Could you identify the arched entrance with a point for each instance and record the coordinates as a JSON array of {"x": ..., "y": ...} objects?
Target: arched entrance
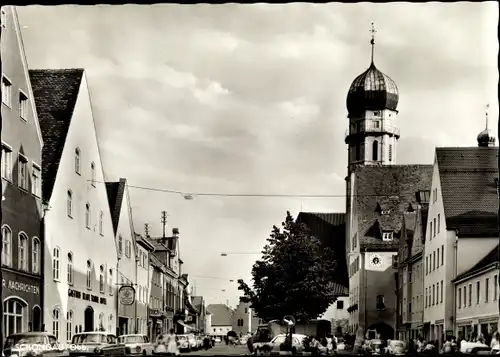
[
  {"x": 382, "y": 330},
  {"x": 88, "y": 319},
  {"x": 37, "y": 318}
]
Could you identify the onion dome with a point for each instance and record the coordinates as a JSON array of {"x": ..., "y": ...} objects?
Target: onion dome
[
  {"x": 486, "y": 138},
  {"x": 372, "y": 90}
]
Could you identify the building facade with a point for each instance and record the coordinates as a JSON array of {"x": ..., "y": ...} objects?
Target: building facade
[
  {"x": 199, "y": 305},
  {"x": 476, "y": 292},
  {"x": 22, "y": 209},
  {"x": 221, "y": 317},
  {"x": 80, "y": 253},
  {"x": 244, "y": 320},
  {"x": 156, "y": 313},
  {"x": 462, "y": 227},
  {"x": 339, "y": 316},
  {"x": 410, "y": 271},
  {"x": 144, "y": 249},
  {"x": 123, "y": 228},
  {"x": 378, "y": 192}
]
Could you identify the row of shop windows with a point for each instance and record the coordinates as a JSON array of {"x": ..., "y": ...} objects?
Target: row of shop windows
[
  {"x": 18, "y": 317},
  {"x": 24, "y": 247}
]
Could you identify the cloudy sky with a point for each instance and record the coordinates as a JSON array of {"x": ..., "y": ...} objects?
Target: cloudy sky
[{"x": 251, "y": 99}]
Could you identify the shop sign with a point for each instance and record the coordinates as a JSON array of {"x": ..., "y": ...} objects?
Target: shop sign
[
  {"x": 84, "y": 296},
  {"x": 20, "y": 287},
  {"x": 126, "y": 295}
]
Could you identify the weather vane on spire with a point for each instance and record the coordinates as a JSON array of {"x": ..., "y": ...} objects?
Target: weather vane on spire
[
  {"x": 373, "y": 32},
  {"x": 487, "y": 108}
]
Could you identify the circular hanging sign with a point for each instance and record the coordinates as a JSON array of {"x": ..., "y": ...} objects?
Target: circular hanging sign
[
  {"x": 289, "y": 320},
  {"x": 126, "y": 295}
]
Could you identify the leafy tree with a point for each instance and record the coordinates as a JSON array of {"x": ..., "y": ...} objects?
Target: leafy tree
[{"x": 293, "y": 277}]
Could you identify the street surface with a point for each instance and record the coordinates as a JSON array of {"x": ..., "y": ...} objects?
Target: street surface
[{"x": 222, "y": 349}]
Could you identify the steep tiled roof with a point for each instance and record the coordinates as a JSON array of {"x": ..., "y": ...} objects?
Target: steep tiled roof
[
  {"x": 55, "y": 92},
  {"x": 468, "y": 188},
  {"x": 116, "y": 191},
  {"x": 330, "y": 229},
  {"x": 393, "y": 189},
  {"x": 491, "y": 258},
  {"x": 156, "y": 262},
  {"x": 221, "y": 314}
]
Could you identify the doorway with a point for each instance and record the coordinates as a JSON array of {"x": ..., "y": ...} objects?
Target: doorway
[
  {"x": 88, "y": 319},
  {"x": 123, "y": 325},
  {"x": 37, "y": 318}
]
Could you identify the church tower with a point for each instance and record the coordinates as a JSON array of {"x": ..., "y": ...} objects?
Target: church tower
[
  {"x": 373, "y": 134},
  {"x": 486, "y": 137}
]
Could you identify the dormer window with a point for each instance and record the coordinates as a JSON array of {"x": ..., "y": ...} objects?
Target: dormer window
[
  {"x": 387, "y": 236},
  {"x": 423, "y": 196}
]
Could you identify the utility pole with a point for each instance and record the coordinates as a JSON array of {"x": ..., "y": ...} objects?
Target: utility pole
[
  {"x": 164, "y": 221},
  {"x": 146, "y": 229}
]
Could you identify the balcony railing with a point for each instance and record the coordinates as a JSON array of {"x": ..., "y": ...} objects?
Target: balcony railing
[{"x": 369, "y": 127}]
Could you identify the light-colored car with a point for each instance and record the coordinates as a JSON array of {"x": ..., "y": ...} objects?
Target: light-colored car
[
  {"x": 32, "y": 344},
  {"x": 297, "y": 345},
  {"x": 136, "y": 344},
  {"x": 96, "y": 343},
  {"x": 183, "y": 343},
  {"x": 340, "y": 343},
  {"x": 243, "y": 340},
  {"x": 217, "y": 340},
  {"x": 473, "y": 347},
  {"x": 199, "y": 341}
]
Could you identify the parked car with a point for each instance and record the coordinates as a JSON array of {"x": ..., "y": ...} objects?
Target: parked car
[
  {"x": 199, "y": 342},
  {"x": 32, "y": 344},
  {"x": 183, "y": 343},
  {"x": 340, "y": 343},
  {"x": 136, "y": 344},
  {"x": 96, "y": 343},
  {"x": 397, "y": 348},
  {"x": 297, "y": 343},
  {"x": 193, "y": 344},
  {"x": 474, "y": 348}
]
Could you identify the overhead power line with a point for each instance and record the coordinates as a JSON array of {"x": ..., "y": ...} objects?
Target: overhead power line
[{"x": 190, "y": 195}]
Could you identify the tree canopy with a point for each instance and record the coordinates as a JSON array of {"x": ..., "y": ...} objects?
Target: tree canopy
[{"x": 293, "y": 277}]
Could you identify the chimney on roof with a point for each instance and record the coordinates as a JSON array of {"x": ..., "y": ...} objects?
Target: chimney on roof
[{"x": 175, "y": 232}]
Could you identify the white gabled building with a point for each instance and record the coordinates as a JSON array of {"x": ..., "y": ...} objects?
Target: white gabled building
[
  {"x": 80, "y": 256},
  {"x": 144, "y": 249},
  {"x": 121, "y": 216}
]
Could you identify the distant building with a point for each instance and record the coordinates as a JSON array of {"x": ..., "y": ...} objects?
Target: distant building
[
  {"x": 144, "y": 249},
  {"x": 244, "y": 319},
  {"x": 338, "y": 315},
  {"x": 221, "y": 317},
  {"x": 199, "y": 305},
  {"x": 123, "y": 228},
  {"x": 22, "y": 209},
  {"x": 476, "y": 293},
  {"x": 410, "y": 285}
]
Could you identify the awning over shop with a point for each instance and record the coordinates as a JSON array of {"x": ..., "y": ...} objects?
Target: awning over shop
[{"x": 182, "y": 323}]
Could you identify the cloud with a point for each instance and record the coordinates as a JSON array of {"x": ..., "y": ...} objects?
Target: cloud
[{"x": 251, "y": 99}]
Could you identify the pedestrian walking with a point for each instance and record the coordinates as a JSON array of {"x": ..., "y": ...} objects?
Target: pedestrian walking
[
  {"x": 250, "y": 344},
  {"x": 171, "y": 342},
  {"x": 160, "y": 345}
]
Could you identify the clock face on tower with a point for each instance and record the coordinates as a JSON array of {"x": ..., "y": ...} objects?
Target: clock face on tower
[{"x": 375, "y": 260}]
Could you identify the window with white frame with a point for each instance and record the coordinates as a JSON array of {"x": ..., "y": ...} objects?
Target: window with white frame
[
  {"x": 110, "y": 285},
  {"x": 87, "y": 215},
  {"x": 56, "y": 320},
  {"x": 92, "y": 174},
  {"x": 69, "y": 325},
  {"x": 128, "y": 248},
  {"x": 56, "y": 263},
  {"x": 69, "y": 203},
  {"x": 110, "y": 323},
  {"x": 15, "y": 316},
  {"x": 77, "y": 160},
  {"x": 36, "y": 174},
  {"x": 120, "y": 244},
  {"x": 23, "y": 172},
  {"x": 23, "y": 105},
  {"x": 35, "y": 256},
  {"x": 101, "y": 279},
  {"x": 71, "y": 276},
  {"x": 101, "y": 218},
  {"x": 139, "y": 258},
  {"x": 89, "y": 274},
  {"x": 6, "y": 162},
  {"x": 387, "y": 236},
  {"x": 22, "y": 252},
  {"x": 6, "y": 91},
  {"x": 6, "y": 246}
]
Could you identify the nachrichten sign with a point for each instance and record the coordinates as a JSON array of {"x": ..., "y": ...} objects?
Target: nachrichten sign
[
  {"x": 22, "y": 287},
  {"x": 85, "y": 296}
]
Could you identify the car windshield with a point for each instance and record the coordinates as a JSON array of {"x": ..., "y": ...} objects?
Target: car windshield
[
  {"x": 24, "y": 339},
  {"x": 131, "y": 339},
  {"x": 182, "y": 338},
  {"x": 89, "y": 338}
]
